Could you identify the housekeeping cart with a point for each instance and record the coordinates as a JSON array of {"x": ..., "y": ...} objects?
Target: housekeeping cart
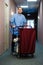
[{"x": 27, "y": 41}]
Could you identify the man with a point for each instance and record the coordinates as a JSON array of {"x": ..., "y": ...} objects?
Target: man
[{"x": 16, "y": 21}]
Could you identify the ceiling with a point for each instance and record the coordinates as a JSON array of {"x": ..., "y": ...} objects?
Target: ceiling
[{"x": 32, "y": 6}]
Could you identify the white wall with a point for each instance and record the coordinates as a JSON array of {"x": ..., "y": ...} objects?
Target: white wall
[
  {"x": 40, "y": 23},
  {"x": 12, "y": 6},
  {"x": 1, "y": 26}
]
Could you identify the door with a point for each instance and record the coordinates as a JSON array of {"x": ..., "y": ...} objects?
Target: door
[{"x": 6, "y": 24}]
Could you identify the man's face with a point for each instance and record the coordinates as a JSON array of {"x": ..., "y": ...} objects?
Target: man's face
[{"x": 19, "y": 10}]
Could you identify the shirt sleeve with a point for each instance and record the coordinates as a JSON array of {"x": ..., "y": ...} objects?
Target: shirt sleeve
[
  {"x": 24, "y": 20},
  {"x": 12, "y": 20}
]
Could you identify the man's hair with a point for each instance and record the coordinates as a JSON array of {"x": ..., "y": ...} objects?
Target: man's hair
[{"x": 19, "y": 7}]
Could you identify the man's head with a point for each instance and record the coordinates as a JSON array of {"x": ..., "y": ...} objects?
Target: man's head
[{"x": 19, "y": 10}]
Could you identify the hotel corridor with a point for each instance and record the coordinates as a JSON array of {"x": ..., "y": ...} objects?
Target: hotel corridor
[{"x": 33, "y": 12}]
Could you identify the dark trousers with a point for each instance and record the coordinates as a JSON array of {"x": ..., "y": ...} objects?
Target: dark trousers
[{"x": 13, "y": 43}]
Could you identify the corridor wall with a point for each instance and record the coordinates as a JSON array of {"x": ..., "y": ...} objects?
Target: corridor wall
[
  {"x": 1, "y": 26},
  {"x": 6, "y": 7},
  {"x": 40, "y": 23}
]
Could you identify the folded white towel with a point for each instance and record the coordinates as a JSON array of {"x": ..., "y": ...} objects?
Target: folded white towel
[{"x": 15, "y": 39}]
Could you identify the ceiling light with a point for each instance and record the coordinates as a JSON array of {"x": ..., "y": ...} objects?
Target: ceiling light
[
  {"x": 31, "y": 0},
  {"x": 24, "y": 6}
]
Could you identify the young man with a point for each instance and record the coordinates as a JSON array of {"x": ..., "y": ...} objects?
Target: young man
[{"x": 17, "y": 20}]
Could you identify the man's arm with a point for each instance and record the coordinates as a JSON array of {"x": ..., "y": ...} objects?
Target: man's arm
[
  {"x": 12, "y": 21},
  {"x": 24, "y": 21}
]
